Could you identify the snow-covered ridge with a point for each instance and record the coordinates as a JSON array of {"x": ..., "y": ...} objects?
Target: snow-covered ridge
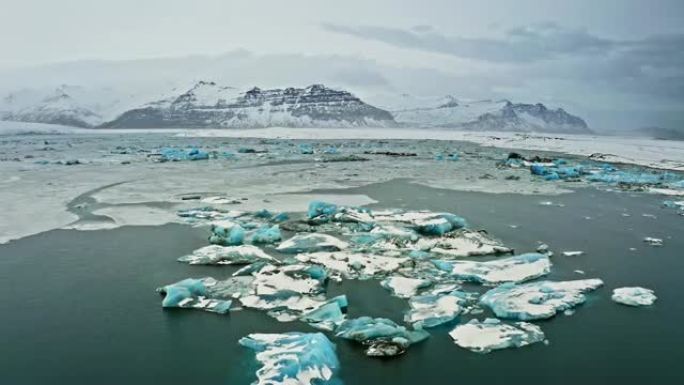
[
  {"x": 209, "y": 105},
  {"x": 488, "y": 115}
]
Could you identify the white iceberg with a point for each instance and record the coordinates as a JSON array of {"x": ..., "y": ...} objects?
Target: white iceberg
[
  {"x": 518, "y": 268},
  {"x": 227, "y": 255},
  {"x": 404, "y": 287},
  {"x": 634, "y": 296},
  {"x": 463, "y": 243},
  {"x": 492, "y": 334},
  {"x": 537, "y": 300},
  {"x": 354, "y": 265}
]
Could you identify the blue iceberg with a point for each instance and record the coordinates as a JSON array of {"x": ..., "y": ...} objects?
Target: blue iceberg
[
  {"x": 266, "y": 234},
  {"x": 294, "y": 358},
  {"x": 227, "y": 233}
]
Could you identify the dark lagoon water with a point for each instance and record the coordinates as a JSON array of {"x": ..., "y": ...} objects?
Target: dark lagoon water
[{"x": 79, "y": 307}]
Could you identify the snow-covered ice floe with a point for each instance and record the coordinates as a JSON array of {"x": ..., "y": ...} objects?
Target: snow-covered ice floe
[
  {"x": 293, "y": 358},
  {"x": 227, "y": 255},
  {"x": 518, "y": 268},
  {"x": 634, "y": 296},
  {"x": 537, "y": 300},
  {"x": 405, "y": 287},
  {"x": 354, "y": 265},
  {"x": 463, "y": 243},
  {"x": 492, "y": 334},
  {"x": 383, "y": 337}
]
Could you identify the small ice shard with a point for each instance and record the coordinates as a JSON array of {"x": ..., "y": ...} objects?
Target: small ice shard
[
  {"x": 634, "y": 296},
  {"x": 537, "y": 300},
  {"x": 265, "y": 234},
  {"x": 543, "y": 248},
  {"x": 226, "y": 255},
  {"x": 492, "y": 334},
  {"x": 653, "y": 241},
  {"x": 354, "y": 265},
  {"x": 327, "y": 316},
  {"x": 463, "y": 243},
  {"x": 227, "y": 233},
  {"x": 293, "y": 358},
  {"x": 518, "y": 268},
  {"x": 382, "y": 336},
  {"x": 309, "y": 243},
  {"x": 404, "y": 287},
  {"x": 572, "y": 253},
  {"x": 550, "y": 203},
  {"x": 435, "y": 309}
]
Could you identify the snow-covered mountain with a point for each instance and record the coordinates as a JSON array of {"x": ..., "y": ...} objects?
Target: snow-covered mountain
[
  {"x": 489, "y": 115},
  {"x": 68, "y": 105},
  {"x": 209, "y": 105}
]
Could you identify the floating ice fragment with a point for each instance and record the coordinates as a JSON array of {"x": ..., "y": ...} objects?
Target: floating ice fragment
[
  {"x": 463, "y": 243},
  {"x": 226, "y": 255},
  {"x": 518, "y": 268},
  {"x": 175, "y": 155},
  {"x": 308, "y": 243},
  {"x": 404, "y": 287},
  {"x": 425, "y": 222},
  {"x": 327, "y": 316},
  {"x": 382, "y": 336},
  {"x": 293, "y": 358},
  {"x": 306, "y": 149},
  {"x": 435, "y": 309},
  {"x": 634, "y": 296},
  {"x": 205, "y": 294},
  {"x": 537, "y": 300},
  {"x": 265, "y": 234},
  {"x": 299, "y": 278},
  {"x": 572, "y": 253},
  {"x": 653, "y": 241},
  {"x": 492, "y": 334}
]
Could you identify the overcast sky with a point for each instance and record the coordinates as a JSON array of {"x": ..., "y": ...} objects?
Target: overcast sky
[{"x": 618, "y": 62}]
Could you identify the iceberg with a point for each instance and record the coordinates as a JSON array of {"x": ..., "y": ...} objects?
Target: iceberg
[
  {"x": 321, "y": 209},
  {"x": 227, "y": 233},
  {"x": 537, "y": 300},
  {"x": 404, "y": 287},
  {"x": 354, "y": 265},
  {"x": 435, "y": 309},
  {"x": 227, "y": 255},
  {"x": 518, "y": 268},
  {"x": 654, "y": 241},
  {"x": 634, "y": 296},
  {"x": 205, "y": 293},
  {"x": 265, "y": 234},
  {"x": 293, "y": 358},
  {"x": 308, "y": 243},
  {"x": 327, "y": 316},
  {"x": 492, "y": 334},
  {"x": 383, "y": 337},
  {"x": 299, "y": 278},
  {"x": 425, "y": 222},
  {"x": 306, "y": 149},
  {"x": 175, "y": 155}
]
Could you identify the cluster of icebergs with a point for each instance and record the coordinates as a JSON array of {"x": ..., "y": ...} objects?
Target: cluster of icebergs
[{"x": 423, "y": 257}]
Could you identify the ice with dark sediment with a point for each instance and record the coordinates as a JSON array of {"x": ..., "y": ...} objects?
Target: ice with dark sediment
[{"x": 381, "y": 336}]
